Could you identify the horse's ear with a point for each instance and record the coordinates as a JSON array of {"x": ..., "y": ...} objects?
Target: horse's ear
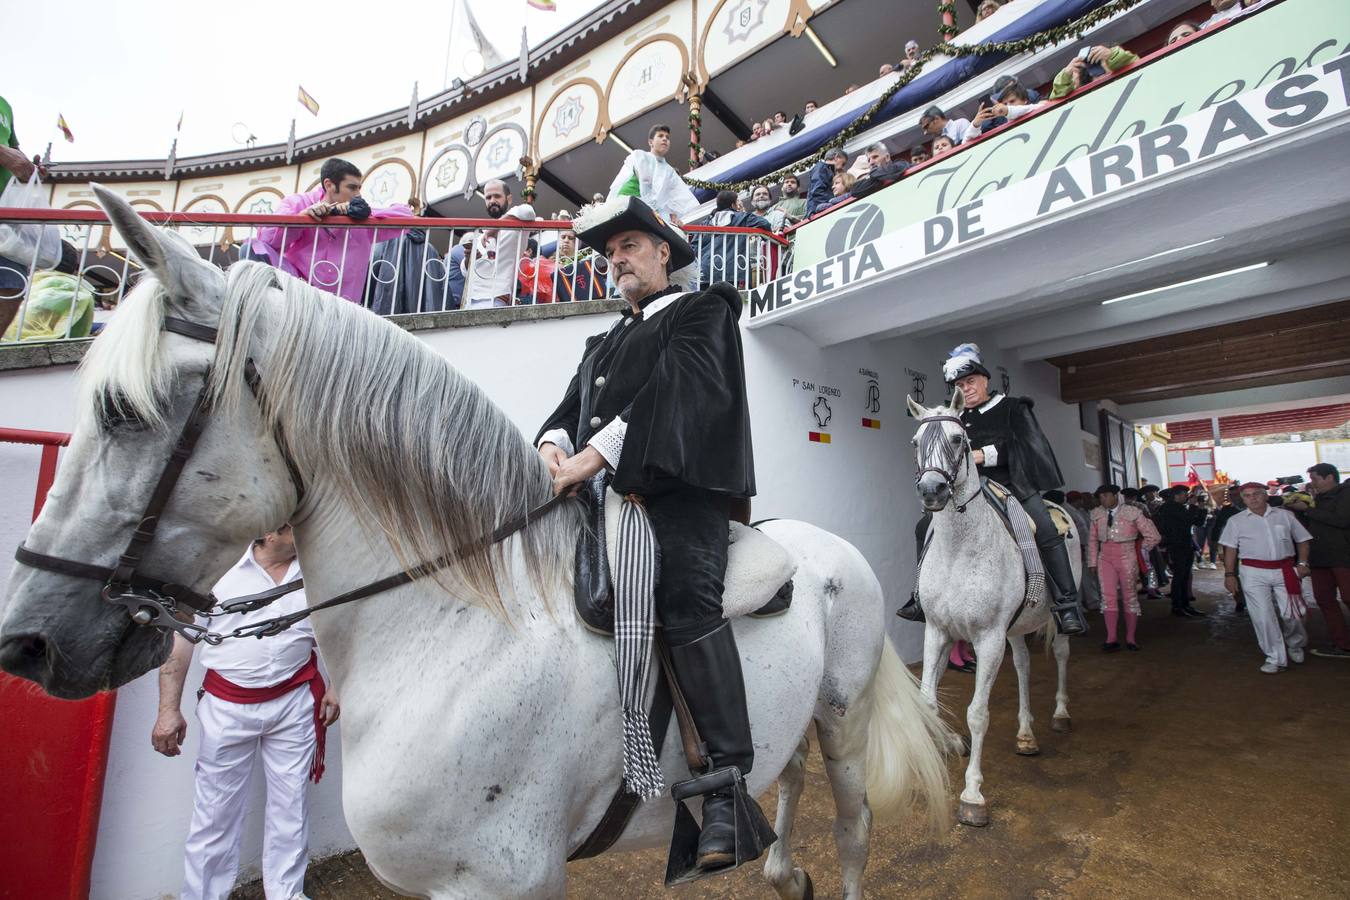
[
  {"x": 915, "y": 410},
  {"x": 958, "y": 403},
  {"x": 188, "y": 279}
]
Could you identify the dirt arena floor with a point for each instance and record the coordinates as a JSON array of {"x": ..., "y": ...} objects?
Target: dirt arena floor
[{"x": 1188, "y": 774}]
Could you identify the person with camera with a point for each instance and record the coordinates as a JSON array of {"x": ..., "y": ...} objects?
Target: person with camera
[
  {"x": 330, "y": 257},
  {"x": 1329, "y": 524}
]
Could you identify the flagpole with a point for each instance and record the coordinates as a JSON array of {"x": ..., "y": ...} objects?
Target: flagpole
[{"x": 449, "y": 40}]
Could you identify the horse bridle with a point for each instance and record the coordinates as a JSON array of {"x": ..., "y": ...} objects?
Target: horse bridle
[
  {"x": 951, "y": 473},
  {"x": 159, "y": 603}
]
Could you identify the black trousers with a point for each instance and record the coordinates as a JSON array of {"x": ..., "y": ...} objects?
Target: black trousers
[
  {"x": 691, "y": 528},
  {"x": 1179, "y": 560}
]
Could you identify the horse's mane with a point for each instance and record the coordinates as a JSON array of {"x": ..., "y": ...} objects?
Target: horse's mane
[
  {"x": 416, "y": 450},
  {"x": 124, "y": 366}
]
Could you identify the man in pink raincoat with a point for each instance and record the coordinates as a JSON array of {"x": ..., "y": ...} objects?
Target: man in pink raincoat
[{"x": 334, "y": 259}]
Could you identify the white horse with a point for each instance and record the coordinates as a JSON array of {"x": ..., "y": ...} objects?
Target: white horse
[
  {"x": 481, "y": 723},
  {"x": 971, "y": 583}
]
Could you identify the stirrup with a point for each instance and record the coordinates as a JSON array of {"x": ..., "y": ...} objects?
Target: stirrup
[
  {"x": 1060, "y": 611},
  {"x": 913, "y": 610},
  {"x": 753, "y": 832}
]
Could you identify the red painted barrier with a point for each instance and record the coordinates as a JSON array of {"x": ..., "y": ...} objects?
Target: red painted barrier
[{"x": 53, "y": 757}]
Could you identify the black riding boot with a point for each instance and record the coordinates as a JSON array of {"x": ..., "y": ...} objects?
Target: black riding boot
[
  {"x": 913, "y": 610},
  {"x": 709, "y": 672},
  {"x": 1059, "y": 581}
]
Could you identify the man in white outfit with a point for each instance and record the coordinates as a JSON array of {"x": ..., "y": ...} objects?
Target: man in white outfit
[
  {"x": 260, "y": 697},
  {"x": 649, "y": 176},
  {"x": 1273, "y": 546}
]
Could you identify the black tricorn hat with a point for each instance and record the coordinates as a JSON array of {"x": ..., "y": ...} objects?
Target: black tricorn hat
[{"x": 597, "y": 223}]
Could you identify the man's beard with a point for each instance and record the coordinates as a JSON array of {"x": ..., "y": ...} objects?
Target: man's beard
[{"x": 496, "y": 210}]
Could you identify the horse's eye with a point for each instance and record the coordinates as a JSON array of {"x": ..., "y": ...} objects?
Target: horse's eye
[{"x": 115, "y": 412}]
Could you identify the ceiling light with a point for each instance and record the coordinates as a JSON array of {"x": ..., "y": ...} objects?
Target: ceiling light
[
  {"x": 1151, "y": 256},
  {"x": 615, "y": 138},
  {"x": 820, "y": 45},
  {"x": 1168, "y": 287}
]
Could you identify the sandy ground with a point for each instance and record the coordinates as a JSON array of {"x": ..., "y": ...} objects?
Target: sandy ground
[{"x": 1188, "y": 773}]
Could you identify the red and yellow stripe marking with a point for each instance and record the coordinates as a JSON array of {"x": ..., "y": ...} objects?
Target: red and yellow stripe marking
[
  {"x": 871, "y": 423},
  {"x": 819, "y": 437}
]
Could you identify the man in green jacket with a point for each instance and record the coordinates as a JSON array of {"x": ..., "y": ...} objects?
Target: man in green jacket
[
  {"x": 1329, "y": 556},
  {"x": 13, "y": 164}
]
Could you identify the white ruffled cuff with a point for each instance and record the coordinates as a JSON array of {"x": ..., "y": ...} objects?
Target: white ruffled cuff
[
  {"x": 990, "y": 455},
  {"x": 558, "y": 437},
  {"x": 608, "y": 441}
]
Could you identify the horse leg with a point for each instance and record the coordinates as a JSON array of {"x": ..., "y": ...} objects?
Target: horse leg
[
  {"x": 790, "y": 882},
  {"x": 843, "y": 744},
  {"x": 1026, "y": 741},
  {"x": 989, "y": 650},
  {"x": 1061, "y": 721},
  {"x": 936, "y": 646}
]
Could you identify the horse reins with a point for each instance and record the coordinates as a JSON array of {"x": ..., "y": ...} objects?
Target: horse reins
[
  {"x": 950, "y": 471},
  {"x": 158, "y": 603}
]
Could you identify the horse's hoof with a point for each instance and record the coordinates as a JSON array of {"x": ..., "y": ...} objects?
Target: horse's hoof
[
  {"x": 809, "y": 892},
  {"x": 1028, "y": 747},
  {"x": 976, "y": 815},
  {"x": 1061, "y": 724}
]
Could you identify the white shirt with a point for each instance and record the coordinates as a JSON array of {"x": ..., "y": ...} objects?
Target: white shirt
[
  {"x": 253, "y": 662},
  {"x": 658, "y": 184},
  {"x": 1269, "y": 537},
  {"x": 492, "y": 264}
]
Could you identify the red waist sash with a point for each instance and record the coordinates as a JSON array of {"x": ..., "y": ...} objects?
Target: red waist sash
[
  {"x": 1292, "y": 584},
  {"x": 218, "y": 685}
]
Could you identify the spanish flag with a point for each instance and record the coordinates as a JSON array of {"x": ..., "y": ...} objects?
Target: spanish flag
[
  {"x": 818, "y": 437},
  {"x": 65, "y": 129},
  {"x": 871, "y": 423},
  {"x": 545, "y": 5},
  {"x": 308, "y": 102}
]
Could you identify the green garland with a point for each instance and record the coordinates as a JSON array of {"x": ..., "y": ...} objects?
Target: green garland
[
  {"x": 947, "y": 31},
  {"x": 1075, "y": 29}
]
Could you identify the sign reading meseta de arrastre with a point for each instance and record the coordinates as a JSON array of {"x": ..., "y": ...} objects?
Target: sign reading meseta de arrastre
[
  {"x": 941, "y": 206},
  {"x": 1298, "y": 101}
]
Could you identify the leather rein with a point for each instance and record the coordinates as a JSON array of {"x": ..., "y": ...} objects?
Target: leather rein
[
  {"x": 158, "y": 603},
  {"x": 953, "y": 471}
]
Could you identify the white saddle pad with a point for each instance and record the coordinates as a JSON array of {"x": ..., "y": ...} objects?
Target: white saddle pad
[{"x": 757, "y": 565}]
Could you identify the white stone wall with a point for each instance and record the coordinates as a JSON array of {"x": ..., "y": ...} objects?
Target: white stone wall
[{"x": 860, "y": 486}]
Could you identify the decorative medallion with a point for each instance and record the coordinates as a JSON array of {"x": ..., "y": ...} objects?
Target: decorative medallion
[
  {"x": 262, "y": 206},
  {"x": 499, "y": 153},
  {"x": 447, "y": 172},
  {"x": 382, "y": 187},
  {"x": 567, "y": 116},
  {"x": 476, "y": 131},
  {"x": 745, "y": 17}
]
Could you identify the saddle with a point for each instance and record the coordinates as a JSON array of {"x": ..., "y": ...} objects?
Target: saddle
[
  {"x": 999, "y": 495},
  {"x": 758, "y": 580}
]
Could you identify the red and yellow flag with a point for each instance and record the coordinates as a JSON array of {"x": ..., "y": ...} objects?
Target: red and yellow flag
[
  {"x": 818, "y": 437},
  {"x": 871, "y": 423},
  {"x": 308, "y": 102},
  {"x": 65, "y": 129},
  {"x": 545, "y": 5}
]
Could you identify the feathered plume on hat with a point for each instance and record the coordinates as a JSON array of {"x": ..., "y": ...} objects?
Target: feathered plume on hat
[
  {"x": 596, "y": 223},
  {"x": 964, "y": 360}
]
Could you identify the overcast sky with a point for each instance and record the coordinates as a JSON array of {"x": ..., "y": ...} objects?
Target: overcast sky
[{"x": 122, "y": 70}]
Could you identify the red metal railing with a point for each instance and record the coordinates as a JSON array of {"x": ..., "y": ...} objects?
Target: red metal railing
[{"x": 53, "y": 759}]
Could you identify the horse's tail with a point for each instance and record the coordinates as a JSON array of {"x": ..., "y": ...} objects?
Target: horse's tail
[
  {"x": 906, "y": 746},
  {"x": 1048, "y": 636}
]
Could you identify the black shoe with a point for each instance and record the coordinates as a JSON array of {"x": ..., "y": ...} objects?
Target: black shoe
[
  {"x": 1063, "y": 590},
  {"x": 1179, "y": 612},
  {"x": 1192, "y": 612},
  {"x": 717, "y": 837},
  {"x": 1110, "y": 647},
  {"x": 1134, "y": 647},
  {"x": 1241, "y": 611},
  {"x": 968, "y": 668},
  {"x": 1069, "y": 619},
  {"x": 912, "y": 611}
]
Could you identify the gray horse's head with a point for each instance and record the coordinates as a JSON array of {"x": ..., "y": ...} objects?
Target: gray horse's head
[
  {"x": 137, "y": 385},
  {"x": 941, "y": 451}
]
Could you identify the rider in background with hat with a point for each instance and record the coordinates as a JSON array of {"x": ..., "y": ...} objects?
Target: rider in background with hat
[{"x": 1011, "y": 449}]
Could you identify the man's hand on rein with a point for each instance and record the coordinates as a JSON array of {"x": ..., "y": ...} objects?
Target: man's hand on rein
[{"x": 575, "y": 469}]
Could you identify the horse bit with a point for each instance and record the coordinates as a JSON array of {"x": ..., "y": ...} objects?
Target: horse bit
[
  {"x": 949, "y": 474},
  {"x": 154, "y": 602}
]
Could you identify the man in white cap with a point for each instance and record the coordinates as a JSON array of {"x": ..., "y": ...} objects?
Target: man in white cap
[{"x": 1273, "y": 546}]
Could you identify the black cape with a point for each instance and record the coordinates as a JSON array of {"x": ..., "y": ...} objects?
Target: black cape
[
  {"x": 677, "y": 377},
  {"x": 1023, "y": 449}
]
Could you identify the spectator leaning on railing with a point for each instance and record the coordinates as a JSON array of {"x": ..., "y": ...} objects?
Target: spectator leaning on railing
[
  {"x": 332, "y": 259},
  {"x": 791, "y": 206},
  {"x": 934, "y": 122},
  {"x": 492, "y": 256},
  {"x": 726, "y": 257},
  {"x": 1090, "y": 63},
  {"x": 820, "y": 193}
]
